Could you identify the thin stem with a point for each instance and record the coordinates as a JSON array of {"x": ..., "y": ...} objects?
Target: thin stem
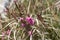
[
  {"x": 28, "y": 9},
  {"x": 15, "y": 35},
  {"x": 31, "y": 37}
]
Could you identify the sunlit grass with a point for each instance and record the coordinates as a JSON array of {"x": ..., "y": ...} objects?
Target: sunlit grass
[{"x": 45, "y": 14}]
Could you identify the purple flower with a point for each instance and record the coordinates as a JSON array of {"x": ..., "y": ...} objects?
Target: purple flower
[
  {"x": 22, "y": 24},
  {"x": 30, "y": 20}
]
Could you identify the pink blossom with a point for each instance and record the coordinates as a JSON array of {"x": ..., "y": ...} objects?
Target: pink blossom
[
  {"x": 29, "y": 33},
  {"x": 8, "y": 32},
  {"x": 21, "y": 19},
  {"x": 30, "y": 20},
  {"x": 3, "y": 33}
]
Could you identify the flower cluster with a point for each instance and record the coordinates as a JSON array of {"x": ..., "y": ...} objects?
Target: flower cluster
[
  {"x": 8, "y": 32},
  {"x": 28, "y": 20}
]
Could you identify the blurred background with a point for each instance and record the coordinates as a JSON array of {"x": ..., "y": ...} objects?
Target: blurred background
[{"x": 29, "y": 19}]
